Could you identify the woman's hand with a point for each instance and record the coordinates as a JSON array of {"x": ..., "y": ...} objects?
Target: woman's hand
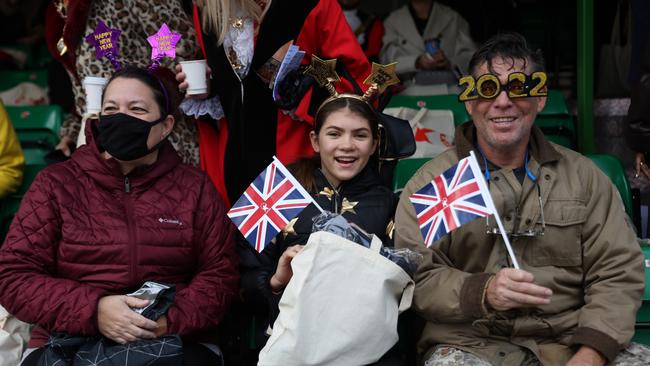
[
  {"x": 283, "y": 273},
  {"x": 183, "y": 85},
  {"x": 118, "y": 322},
  {"x": 64, "y": 145},
  {"x": 640, "y": 166}
]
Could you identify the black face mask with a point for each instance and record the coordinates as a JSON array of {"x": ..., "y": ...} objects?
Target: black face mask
[{"x": 125, "y": 137}]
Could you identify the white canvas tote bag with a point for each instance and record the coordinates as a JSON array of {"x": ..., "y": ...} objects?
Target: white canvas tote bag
[{"x": 340, "y": 307}]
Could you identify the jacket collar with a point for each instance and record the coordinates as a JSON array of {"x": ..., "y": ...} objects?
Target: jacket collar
[
  {"x": 540, "y": 148},
  {"x": 107, "y": 173},
  {"x": 362, "y": 182}
]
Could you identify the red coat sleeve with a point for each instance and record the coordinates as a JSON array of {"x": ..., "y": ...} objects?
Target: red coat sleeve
[
  {"x": 327, "y": 35},
  {"x": 203, "y": 303},
  {"x": 28, "y": 286}
]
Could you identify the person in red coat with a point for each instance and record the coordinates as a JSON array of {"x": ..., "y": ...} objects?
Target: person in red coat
[
  {"x": 368, "y": 28},
  {"x": 122, "y": 211},
  {"x": 244, "y": 42}
]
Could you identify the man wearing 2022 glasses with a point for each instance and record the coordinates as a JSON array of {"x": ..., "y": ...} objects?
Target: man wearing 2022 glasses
[{"x": 574, "y": 300}]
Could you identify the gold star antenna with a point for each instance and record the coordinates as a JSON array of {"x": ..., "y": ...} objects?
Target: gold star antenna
[
  {"x": 381, "y": 77},
  {"x": 324, "y": 72}
]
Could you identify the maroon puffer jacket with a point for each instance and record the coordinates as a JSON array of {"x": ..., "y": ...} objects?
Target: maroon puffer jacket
[{"x": 84, "y": 231}]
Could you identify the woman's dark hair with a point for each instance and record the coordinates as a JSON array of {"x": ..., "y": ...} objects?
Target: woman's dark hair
[
  {"x": 304, "y": 168},
  {"x": 157, "y": 82},
  {"x": 509, "y": 46}
]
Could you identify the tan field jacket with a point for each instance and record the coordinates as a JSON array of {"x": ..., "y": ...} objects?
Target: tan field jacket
[{"x": 588, "y": 256}]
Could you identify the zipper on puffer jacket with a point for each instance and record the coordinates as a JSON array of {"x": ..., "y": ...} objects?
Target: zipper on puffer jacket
[{"x": 129, "y": 223}]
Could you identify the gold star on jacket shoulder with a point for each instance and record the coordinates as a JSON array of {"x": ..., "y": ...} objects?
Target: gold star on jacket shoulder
[
  {"x": 327, "y": 192},
  {"x": 390, "y": 229},
  {"x": 348, "y": 206},
  {"x": 289, "y": 230}
]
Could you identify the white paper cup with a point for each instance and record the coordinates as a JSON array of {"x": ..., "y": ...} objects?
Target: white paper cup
[
  {"x": 195, "y": 76},
  {"x": 93, "y": 87}
]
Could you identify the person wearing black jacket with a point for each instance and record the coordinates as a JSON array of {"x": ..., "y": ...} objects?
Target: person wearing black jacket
[{"x": 342, "y": 178}]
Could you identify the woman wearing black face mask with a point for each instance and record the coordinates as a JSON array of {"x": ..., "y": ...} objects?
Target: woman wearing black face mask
[
  {"x": 132, "y": 128},
  {"x": 122, "y": 211}
]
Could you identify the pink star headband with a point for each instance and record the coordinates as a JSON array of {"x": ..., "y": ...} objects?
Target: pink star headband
[{"x": 163, "y": 44}]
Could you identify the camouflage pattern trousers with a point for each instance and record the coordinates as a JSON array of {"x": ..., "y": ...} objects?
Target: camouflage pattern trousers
[{"x": 634, "y": 355}]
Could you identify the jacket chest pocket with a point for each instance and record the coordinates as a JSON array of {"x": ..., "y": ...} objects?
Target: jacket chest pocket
[
  {"x": 167, "y": 230},
  {"x": 561, "y": 245}
]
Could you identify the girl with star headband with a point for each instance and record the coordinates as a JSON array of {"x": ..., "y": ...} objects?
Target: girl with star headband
[{"x": 342, "y": 178}]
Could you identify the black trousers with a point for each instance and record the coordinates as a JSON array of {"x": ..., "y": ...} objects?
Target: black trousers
[{"x": 194, "y": 354}]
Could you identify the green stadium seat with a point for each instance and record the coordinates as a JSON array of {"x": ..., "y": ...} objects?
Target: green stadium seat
[
  {"x": 46, "y": 118},
  {"x": 556, "y": 122},
  {"x": 9, "y": 79},
  {"x": 555, "y": 104},
  {"x": 37, "y": 128},
  {"x": 613, "y": 168},
  {"x": 35, "y": 56},
  {"x": 404, "y": 171}
]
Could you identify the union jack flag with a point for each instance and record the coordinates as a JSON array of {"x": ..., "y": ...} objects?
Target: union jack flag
[
  {"x": 268, "y": 204},
  {"x": 454, "y": 198}
]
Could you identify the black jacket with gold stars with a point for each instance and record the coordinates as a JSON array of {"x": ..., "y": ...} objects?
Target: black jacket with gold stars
[{"x": 362, "y": 200}]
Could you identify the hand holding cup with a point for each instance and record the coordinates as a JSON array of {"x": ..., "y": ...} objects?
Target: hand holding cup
[{"x": 193, "y": 78}]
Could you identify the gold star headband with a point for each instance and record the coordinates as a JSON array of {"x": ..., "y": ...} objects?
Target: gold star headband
[{"x": 324, "y": 72}]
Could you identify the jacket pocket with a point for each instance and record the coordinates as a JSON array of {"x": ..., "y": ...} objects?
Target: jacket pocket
[{"x": 561, "y": 244}]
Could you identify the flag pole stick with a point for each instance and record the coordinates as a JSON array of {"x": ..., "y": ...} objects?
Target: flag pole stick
[
  {"x": 297, "y": 184},
  {"x": 484, "y": 188}
]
